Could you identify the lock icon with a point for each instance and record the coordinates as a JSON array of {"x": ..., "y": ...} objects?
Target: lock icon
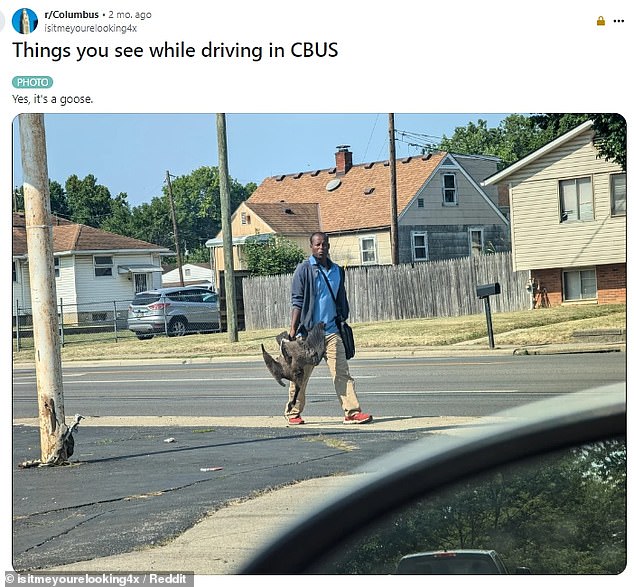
[{"x": 600, "y": 21}]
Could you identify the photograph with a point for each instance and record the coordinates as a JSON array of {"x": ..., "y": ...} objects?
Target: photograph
[{"x": 442, "y": 296}]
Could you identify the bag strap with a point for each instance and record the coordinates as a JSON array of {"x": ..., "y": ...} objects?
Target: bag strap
[{"x": 327, "y": 283}]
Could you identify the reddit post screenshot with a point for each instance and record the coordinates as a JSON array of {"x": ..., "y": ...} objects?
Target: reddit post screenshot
[{"x": 314, "y": 289}]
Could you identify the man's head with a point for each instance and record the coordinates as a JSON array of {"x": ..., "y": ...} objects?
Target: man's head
[{"x": 319, "y": 246}]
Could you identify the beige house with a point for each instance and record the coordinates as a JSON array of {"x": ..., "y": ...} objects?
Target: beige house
[
  {"x": 263, "y": 220},
  {"x": 568, "y": 220},
  {"x": 442, "y": 210}
]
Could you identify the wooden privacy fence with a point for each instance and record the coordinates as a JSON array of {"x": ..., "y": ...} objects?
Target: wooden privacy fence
[{"x": 421, "y": 290}]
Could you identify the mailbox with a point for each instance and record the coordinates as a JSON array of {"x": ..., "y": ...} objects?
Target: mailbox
[
  {"x": 489, "y": 289},
  {"x": 483, "y": 292}
]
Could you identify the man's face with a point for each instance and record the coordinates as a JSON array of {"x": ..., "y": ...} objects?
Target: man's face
[{"x": 319, "y": 247}]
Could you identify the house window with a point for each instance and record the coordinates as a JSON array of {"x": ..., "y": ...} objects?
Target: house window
[
  {"x": 449, "y": 194},
  {"x": 419, "y": 246},
  {"x": 188, "y": 272},
  {"x": 575, "y": 197},
  {"x": 15, "y": 272},
  {"x": 617, "y": 194},
  {"x": 368, "y": 250},
  {"x": 421, "y": 202},
  {"x": 245, "y": 218},
  {"x": 580, "y": 284},
  {"x": 56, "y": 265},
  {"x": 103, "y": 266},
  {"x": 476, "y": 241}
]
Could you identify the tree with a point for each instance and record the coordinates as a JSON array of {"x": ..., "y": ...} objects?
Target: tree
[
  {"x": 196, "y": 201},
  {"x": 119, "y": 220},
  {"x": 611, "y": 132},
  {"x": 563, "y": 513},
  {"x": 59, "y": 204},
  {"x": 151, "y": 222},
  {"x": 516, "y": 136},
  {"x": 18, "y": 199},
  {"x": 273, "y": 256},
  {"x": 89, "y": 203},
  {"x": 197, "y": 205},
  {"x": 519, "y": 135},
  {"x": 59, "y": 201}
]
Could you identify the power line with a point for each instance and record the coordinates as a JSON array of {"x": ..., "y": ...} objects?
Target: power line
[
  {"x": 370, "y": 139},
  {"x": 421, "y": 141},
  {"x": 418, "y": 135}
]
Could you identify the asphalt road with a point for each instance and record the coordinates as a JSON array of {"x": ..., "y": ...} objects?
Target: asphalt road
[
  {"x": 456, "y": 386},
  {"x": 127, "y": 488}
]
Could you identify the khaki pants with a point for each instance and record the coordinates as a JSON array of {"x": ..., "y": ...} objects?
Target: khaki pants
[{"x": 335, "y": 356}]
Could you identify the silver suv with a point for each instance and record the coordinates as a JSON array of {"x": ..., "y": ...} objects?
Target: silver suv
[{"x": 174, "y": 311}]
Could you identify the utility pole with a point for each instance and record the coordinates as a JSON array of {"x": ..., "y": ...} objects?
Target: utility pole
[
  {"x": 227, "y": 237},
  {"x": 394, "y": 222},
  {"x": 179, "y": 259},
  {"x": 39, "y": 239}
]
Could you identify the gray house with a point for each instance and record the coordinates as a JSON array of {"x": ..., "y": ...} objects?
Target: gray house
[{"x": 442, "y": 210}]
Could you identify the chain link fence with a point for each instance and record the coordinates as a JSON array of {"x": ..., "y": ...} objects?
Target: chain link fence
[{"x": 78, "y": 323}]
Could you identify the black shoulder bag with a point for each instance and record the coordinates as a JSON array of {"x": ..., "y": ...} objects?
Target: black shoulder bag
[{"x": 344, "y": 328}]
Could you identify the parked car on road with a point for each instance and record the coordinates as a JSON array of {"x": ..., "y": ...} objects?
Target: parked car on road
[
  {"x": 545, "y": 484},
  {"x": 174, "y": 311}
]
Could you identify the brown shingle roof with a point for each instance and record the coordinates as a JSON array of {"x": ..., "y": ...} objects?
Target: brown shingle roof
[
  {"x": 68, "y": 236},
  {"x": 363, "y": 198},
  {"x": 288, "y": 219}
]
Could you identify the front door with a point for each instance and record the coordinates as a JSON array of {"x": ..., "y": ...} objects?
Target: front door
[{"x": 140, "y": 282}]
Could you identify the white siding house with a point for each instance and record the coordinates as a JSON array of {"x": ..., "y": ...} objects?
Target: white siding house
[
  {"x": 193, "y": 274},
  {"x": 93, "y": 268}
]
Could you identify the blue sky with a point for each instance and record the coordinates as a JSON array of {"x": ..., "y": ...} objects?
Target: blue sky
[{"x": 131, "y": 152}]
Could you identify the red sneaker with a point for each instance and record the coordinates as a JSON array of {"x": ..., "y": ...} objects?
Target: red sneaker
[
  {"x": 295, "y": 421},
  {"x": 358, "y": 418}
]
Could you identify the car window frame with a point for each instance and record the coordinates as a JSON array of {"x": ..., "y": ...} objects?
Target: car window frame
[{"x": 322, "y": 531}]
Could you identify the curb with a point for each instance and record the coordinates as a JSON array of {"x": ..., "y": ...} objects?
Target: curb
[
  {"x": 571, "y": 349},
  {"x": 461, "y": 349}
]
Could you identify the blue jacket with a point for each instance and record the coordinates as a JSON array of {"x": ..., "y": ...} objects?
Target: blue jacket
[{"x": 303, "y": 295}]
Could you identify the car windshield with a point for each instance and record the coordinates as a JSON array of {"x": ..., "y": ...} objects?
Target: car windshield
[{"x": 562, "y": 513}]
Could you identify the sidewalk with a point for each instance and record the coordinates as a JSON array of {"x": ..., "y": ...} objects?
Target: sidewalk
[{"x": 224, "y": 540}]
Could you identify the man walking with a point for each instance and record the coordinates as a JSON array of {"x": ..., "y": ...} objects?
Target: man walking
[{"x": 312, "y": 302}]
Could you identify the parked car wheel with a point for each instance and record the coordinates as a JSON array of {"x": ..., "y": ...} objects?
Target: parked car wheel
[
  {"x": 177, "y": 327},
  {"x": 144, "y": 336}
]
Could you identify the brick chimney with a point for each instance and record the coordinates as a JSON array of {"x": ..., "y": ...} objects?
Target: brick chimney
[{"x": 343, "y": 159}]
